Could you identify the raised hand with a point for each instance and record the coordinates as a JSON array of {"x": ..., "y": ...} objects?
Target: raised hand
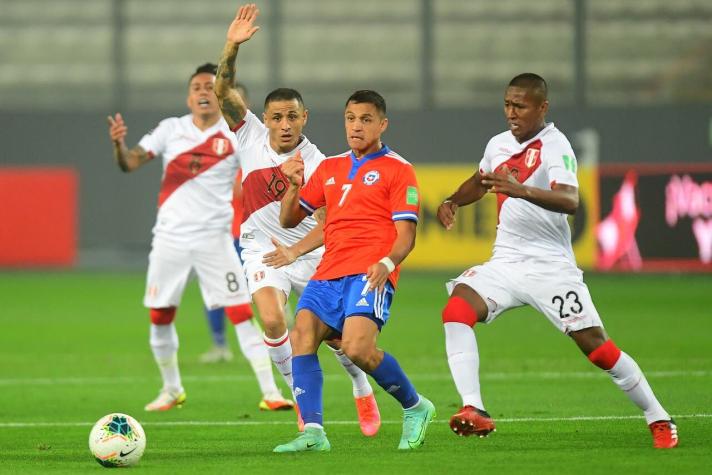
[
  {"x": 446, "y": 214},
  {"x": 243, "y": 26},
  {"x": 117, "y": 129},
  {"x": 293, "y": 169}
]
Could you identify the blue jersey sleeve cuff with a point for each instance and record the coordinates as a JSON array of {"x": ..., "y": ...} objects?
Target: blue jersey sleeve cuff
[
  {"x": 405, "y": 215},
  {"x": 307, "y": 207}
]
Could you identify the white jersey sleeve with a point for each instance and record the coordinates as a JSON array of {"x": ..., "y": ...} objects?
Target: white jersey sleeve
[
  {"x": 155, "y": 141},
  {"x": 486, "y": 162},
  {"x": 249, "y": 131},
  {"x": 560, "y": 162}
]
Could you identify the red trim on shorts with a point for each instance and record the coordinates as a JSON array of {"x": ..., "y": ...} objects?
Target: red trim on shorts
[
  {"x": 162, "y": 316},
  {"x": 606, "y": 355},
  {"x": 458, "y": 310},
  {"x": 239, "y": 313},
  {"x": 279, "y": 343}
]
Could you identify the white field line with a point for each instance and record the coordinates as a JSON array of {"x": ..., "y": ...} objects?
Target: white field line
[
  {"x": 289, "y": 423},
  {"x": 444, "y": 376}
]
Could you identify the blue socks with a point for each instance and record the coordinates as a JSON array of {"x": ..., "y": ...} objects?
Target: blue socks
[
  {"x": 391, "y": 377},
  {"x": 308, "y": 383},
  {"x": 216, "y": 320}
]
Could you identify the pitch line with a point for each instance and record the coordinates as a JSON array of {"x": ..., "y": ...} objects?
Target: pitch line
[
  {"x": 444, "y": 376},
  {"x": 290, "y": 423}
]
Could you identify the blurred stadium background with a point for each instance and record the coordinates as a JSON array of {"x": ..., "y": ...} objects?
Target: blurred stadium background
[{"x": 630, "y": 83}]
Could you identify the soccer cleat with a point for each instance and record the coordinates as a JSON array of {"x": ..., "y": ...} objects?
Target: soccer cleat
[
  {"x": 313, "y": 439},
  {"x": 472, "y": 421},
  {"x": 166, "y": 400},
  {"x": 664, "y": 434},
  {"x": 216, "y": 354},
  {"x": 415, "y": 423},
  {"x": 369, "y": 418},
  {"x": 276, "y": 404}
]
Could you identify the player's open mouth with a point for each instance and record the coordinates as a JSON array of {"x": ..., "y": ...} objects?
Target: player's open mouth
[
  {"x": 203, "y": 102},
  {"x": 513, "y": 127}
]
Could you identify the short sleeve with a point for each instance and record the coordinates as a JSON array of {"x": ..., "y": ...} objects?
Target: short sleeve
[
  {"x": 311, "y": 196},
  {"x": 486, "y": 161},
  {"x": 248, "y": 131},
  {"x": 405, "y": 195},
  {"x": 155, "y": 141},
  {"x": 560, "y": 163}
]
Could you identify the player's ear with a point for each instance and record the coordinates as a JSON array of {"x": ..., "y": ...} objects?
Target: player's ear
[
  {"x": 384, "y": 124},
  {"x": 306, "y": 116},
  {"x": 544, "y": 107}
]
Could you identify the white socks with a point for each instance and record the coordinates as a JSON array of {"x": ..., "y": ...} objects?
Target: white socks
[
  {"x": 254, "y": 350},
  {"x": 628, "y": 376},
  {"x": 464, "y": 361},
  {"x": 359, "y": 381},
  {"x": 280, "y": 351},
  {"x": 164, "y": 344}
]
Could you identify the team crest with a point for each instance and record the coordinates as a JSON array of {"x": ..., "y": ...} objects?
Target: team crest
[
  {"x": 259, "y": 275},
  {"x": 371, "y": 177},
  {"x": 531, "y": 157},
  {"x": 220, "y": 146}
]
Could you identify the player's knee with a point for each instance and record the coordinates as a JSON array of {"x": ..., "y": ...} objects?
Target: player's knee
[
  {"x": 273, "y": 323},
  {"x": 359, "y": 352},
  {"x": 606, "y": 355},
  {"x": 458, "y": 310},
  {"x": 238, "y": 313},
  {"x": 162, "y": 316}
]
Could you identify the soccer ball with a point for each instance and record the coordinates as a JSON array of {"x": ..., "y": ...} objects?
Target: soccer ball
[{"x": 117, "y": 440}]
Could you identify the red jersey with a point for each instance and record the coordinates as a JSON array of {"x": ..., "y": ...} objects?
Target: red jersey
[
  {"x": 363, "y": 199},
  {"x": 237, "y": 205}
]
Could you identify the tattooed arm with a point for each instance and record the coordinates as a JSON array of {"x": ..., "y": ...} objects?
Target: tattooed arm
[
  {"x": 128, "y": 160},
  {"x": 241, "y": 29}
]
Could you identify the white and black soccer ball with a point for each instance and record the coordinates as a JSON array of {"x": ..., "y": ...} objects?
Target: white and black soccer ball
[{"x": 117, "y": 440}]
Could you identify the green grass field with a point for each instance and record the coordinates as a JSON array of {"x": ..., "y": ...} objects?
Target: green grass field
[{"x": 74, "y": 346}]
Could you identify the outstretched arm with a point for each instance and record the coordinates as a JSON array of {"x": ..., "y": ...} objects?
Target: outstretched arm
[
  {"x": 128, "y": 160},
  {"x": 241, "y": 29},
  {"x": 377, "y": 273},
  {"x": 470, "y": 191},
  {"x": 283, "y": 255},
  {"x": 561, "y": 198}
]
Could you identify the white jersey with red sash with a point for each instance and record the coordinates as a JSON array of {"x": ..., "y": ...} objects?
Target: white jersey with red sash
[
  {"x": 526, "y": 230},
  {"x": 199, "y": 168}
]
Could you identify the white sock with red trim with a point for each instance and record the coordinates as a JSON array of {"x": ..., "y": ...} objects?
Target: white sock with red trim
[
  {"x": 254, "y": 350},
  {"x": 164, "y": 345},
  {"x": 464, "y": 361},
  {"x": 280, "y": 351},
  {"x": 627, "y": 375},
  {"x": 359, "y": 381}
]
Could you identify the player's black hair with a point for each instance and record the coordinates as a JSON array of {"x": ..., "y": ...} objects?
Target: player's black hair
[
  {"x": 533, "y": 82},
  {"x": 284, "y": 94},
  {"x": 369, "y": 97},
  {"x": 209, "y": 68}
]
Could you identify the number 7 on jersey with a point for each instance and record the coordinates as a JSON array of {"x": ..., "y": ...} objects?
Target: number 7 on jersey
[{"x": 345, "y": 188}]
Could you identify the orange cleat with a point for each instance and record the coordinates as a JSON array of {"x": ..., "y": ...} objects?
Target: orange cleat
[
  {"x": 472, "y": 421},
  {"x": 664, "y": 434},
  {"x": 276, "y": 405},
  {"x": 369, "y": 418}
]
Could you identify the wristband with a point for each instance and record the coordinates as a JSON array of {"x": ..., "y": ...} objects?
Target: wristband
[{"x": 386, "y": 261}]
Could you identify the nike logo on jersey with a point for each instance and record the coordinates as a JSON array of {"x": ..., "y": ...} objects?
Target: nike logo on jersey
[
  {"x": 330, "y": 181},
  {"x": 362, "y": 303}
]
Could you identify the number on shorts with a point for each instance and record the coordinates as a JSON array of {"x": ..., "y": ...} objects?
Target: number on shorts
[
  {"x": 572, "y": 300},
  {"x": 232, "y": 284},
  {"x": 346, "y": 188}
]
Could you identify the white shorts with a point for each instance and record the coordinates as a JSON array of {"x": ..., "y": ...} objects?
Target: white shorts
[
  {"x": 215, "y": 262},
  {"x": 555, "y": 289},
  {"x": 293, "y": 277}
]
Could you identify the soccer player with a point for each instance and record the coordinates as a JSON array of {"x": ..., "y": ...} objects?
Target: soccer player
[
  {"x": 532, "y": 169},
  {"x": 371, "y": 196},
  {"x": 262, "y": 148},
  {"x": 192, "y": 232}
]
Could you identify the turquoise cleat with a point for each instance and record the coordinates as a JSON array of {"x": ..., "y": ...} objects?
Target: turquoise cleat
[
  {"x": 415, "y": 423},
  {"x": 311, "y": 440}
]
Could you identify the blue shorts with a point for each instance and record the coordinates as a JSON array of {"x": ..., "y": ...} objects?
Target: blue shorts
[{"x": 333, "y": 301}]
